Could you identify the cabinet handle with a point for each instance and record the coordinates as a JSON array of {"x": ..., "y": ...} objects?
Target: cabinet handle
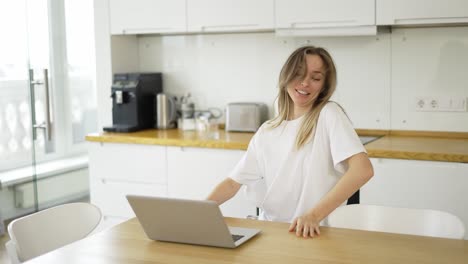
[
  {"x": 330, "y": 23},
  {"x": 146, "y": 30},
  {"x": 111, "y": 181},
  {"x": 428, "y": 20},
  {"x": 231, "y": 27}
]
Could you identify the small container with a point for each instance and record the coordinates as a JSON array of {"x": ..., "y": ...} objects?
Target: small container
[
  {"x": 202, "y": 123},
  {"x": 187, "y": 107},
  {"x": 186, "y": 124}
]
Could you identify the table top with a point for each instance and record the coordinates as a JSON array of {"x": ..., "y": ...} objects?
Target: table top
[{"x": 127, "y": 243}]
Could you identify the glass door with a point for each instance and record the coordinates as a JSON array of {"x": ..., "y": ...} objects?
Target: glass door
[
  {"x": 47, "y": 102},
  {"x": 70, "y": 113},
  {"x": 17, "y": 154}
]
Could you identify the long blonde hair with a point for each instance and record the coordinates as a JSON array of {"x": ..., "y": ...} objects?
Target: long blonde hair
[{"x": 290, "y": 70}]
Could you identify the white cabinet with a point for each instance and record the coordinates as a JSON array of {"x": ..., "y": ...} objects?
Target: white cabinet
[
  {"x": 419, "y": 184},
  {"x": 316, "y": 17},
  {"x": 117, "y": 170},
  {"x": 229, "y": 15},
  {"x": 120, "y": 169},
  {"x": 194, "y": 172},
  {"x": 418, "y": 12},
  {"x": 147, "y": 16}
]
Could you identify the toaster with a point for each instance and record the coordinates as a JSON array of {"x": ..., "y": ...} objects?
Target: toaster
[{"x": 245, "y": 117}]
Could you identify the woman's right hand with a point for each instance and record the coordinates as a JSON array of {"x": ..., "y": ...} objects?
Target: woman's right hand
[
  {"x": 306, "y": 225},
  {"x": 224, "y": 191}
]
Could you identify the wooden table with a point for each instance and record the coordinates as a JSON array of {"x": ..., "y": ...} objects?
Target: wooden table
[{"x": 127, "y": 243}]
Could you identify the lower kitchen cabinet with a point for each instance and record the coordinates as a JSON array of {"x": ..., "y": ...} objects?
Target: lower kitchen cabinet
[
  {"x": 419, "y": 184},
  {"x": 120, "y": 169},
  {"x": 194, "y": 172},
  {"x": 111, "y": 195}
]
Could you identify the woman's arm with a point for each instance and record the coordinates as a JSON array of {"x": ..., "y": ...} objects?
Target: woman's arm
[
  {"x": 359, "y": 172},
  {"x": 224, "y": 191}
]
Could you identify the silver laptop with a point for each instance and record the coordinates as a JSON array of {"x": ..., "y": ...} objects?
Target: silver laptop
[{"x": 187, "y": 221}]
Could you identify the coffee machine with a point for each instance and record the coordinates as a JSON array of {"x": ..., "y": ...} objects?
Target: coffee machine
[{"x": 134, "y": 101}]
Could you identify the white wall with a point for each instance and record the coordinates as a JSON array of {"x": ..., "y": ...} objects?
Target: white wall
[
  {"x": 222, "y": 68},
  {"x": 379, "y": 77},
  {"x": 103, "y": 62},
  {"x": 430, "y": 62}
]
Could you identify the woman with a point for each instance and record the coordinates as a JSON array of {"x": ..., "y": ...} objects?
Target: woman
[{"x": 307, "y": 161}]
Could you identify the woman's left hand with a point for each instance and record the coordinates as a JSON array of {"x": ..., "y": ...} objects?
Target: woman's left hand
[{"x": 306, "y": 225}]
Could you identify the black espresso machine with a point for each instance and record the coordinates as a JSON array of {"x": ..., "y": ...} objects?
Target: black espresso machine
[{"x": 134, "y": 101}]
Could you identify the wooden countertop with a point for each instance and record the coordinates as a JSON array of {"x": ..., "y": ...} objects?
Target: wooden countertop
[
  {"x": 410, "y": 145},
  {"x": 174, "y": 137},
  {"x": 127, "y": 243},
  {"x": 419, "y": 148}
]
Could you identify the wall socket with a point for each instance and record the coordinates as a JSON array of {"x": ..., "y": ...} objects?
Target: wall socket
[{"x": 440, "y": 104}]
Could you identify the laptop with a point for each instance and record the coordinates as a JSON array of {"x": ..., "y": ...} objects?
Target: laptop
[{"x": 187, "y": 221}]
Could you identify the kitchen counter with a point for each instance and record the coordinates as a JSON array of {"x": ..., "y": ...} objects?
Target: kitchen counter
[
  {"x": 174, "y": 137},
  {"x": 419, "y": 148},
  {"x": 432, "y": 146}
]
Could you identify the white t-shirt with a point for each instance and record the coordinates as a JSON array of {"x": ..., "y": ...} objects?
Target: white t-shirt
[{"x": 286, "y": 183}]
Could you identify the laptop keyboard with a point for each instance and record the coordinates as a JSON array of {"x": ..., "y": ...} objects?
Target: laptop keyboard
[{"x": 236, "y": 237}]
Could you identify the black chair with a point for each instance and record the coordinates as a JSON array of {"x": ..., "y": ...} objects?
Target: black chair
[{"x": 354, "y": 199}]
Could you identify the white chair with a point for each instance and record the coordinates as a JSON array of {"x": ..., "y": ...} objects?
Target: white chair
[
  {"x": 46, "y": 230},
  {"x": 422, "y": 222}
]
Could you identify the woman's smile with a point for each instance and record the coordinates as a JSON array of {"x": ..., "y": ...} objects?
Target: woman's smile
[
  {"x": 302, "y": 92},
  {"x": 308, "y": 83}
]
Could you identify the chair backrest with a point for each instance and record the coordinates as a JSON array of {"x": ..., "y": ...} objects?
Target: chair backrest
[
  {"x": 354, "y": 199},
  {"x": 41, "y": 232},
  {"x": 421, "y": 222}
]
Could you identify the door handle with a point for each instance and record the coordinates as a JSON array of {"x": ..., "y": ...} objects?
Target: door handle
[
  {"x": 48, "y": 122},
  {"x": 47, "y": 125}
]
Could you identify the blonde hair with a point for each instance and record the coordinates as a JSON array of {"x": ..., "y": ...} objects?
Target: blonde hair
[{"x": 291, "y": 69}]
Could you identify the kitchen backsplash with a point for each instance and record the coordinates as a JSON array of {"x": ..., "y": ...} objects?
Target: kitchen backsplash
[{"x": 381, "y": 79}]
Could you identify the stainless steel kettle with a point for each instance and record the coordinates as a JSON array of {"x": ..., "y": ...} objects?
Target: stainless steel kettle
[{"x": 166, "y": 112}]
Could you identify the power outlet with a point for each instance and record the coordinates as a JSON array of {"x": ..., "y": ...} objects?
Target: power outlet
[
  {"x": 420, "y": 104},
  {"x": 424, "y": 104},
  {"x": 440, "y": 104},
  {"x": 434, "y": 104}
]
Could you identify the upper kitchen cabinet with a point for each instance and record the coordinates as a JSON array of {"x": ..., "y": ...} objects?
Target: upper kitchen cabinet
[
  {"x": 420, "y": 12},
  {"x": 229, "y": 15},
  {"x": 147, "y": 16},
  {"x": 322, "y": 18}
]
